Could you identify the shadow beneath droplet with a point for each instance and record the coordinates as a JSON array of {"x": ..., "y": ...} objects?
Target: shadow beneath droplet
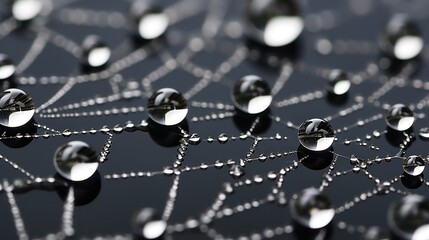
[
  {"x": 86, "y": 69},
  {"x": 337, "y": 100},
  {"x": 412, "y": 182},
  {"x": 315, "y": 160},
  {"x": 273, "y": 57},
  {"x": 26, "y": 132},
  {"x": 167, "y": 136},
  {"x": 396, "y": 138},
  {"x": 394, "y": 67},
  {"x": 303, "y": 233},
  {"x": 7, "y": 83},
  {"x": 244, "y": 121},
  {"x": 84, "y": 191}
]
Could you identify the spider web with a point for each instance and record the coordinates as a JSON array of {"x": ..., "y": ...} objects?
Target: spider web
[{"x": 202, "y": 55}]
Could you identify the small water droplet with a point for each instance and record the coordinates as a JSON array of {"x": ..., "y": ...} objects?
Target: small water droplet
[
  {"x": 147, "y": 224},
  {"x": 338, "y": 82},
  {"x": 151, "y": 21},
  {"x": 95, "y": 51},
  {"x": 223, "y": 138},
  {"x": 236, "y": 171},
  {"x": 195, "y": 139},
  {"x": 252, "y": 94}
]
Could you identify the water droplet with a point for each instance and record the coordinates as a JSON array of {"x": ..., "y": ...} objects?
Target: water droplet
[
  {"x": 414, "y": 165},
  {"x": 194, "y": 139},
  {"x": 400, "y": 117},
  {"x": 401, "y": 38},
  {"x": 16, "y": 108},
  {"x": 148, "y": 224},
  {"x": 252, "y": 94},
  {"x": 271, "y": 175},
  {"x": 75, "y": 161},
  {"x": 409, "y": 217},
  {"x": 7, "y": 68},
  {"x": 316, "y": 134},
  {"x": 151, "y": 20},
  {"x": 168, "y": 171},
  {"x": 223, "y": 138},
  {"x": 266, "y": 22},
  {"x": 95, "y": 51},
  {"x": 376, "y": 133},
  {"x": 262, "y": 158},
  {"x": 258, "y": 179},
  {"x": 424, "y": 133},
  {"x": 338, "y": 82},
  {"x": 218, "y": 164},
  {"x": 312, "y": 209},
  {"x": 167, "y": 107},
  {"x": 236, "y": 171},
  {"x": 25, "y": 10}
]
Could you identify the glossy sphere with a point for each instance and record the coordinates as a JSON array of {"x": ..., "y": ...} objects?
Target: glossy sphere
[
  {"x": 311, "y": 209},
  {"x": 252, "y": 94},
  {"x": 414, "y": 165},
  {"x": 316, "y": 134},
  {"x": 400, "y": 117},
  {"x": 7, "y": 69},
  {"x": 151, "y": 21},
  {"x": 338, "y": 82},
  {"x": 401, "y": 38},
  {"x": 16, "y": 108},
  {"x": 167, "y": 107},
  {"x": 25, "y": 10},
  {"x": 76, "y": 161},
  {"x": 274, "y": 23},
  {"x": 95, "y": 51},
  {"x": 147, "y": 224},
  {"x": 409, "y": 218}
]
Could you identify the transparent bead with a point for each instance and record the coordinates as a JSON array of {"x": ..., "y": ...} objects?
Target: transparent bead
[
  {"x": 25, "y": 10},
  {"x": 16, "y": 108},
  {"x": 147, "y": 224},
  {"x": 401, "y": 38},
  {"x": 273, "y": 23},
  {"x": 312, "y": 209},
  {"x": 400, "y": 117},
  {"x": 95, "y": 51},
  {"x": 414, "y": 165},
  {"x": 409, "y": 217},
  {"x": 7, "y": 68},
  {"x": 316, "y": 134},
  {"x": 252, "y": 94},
  {"x": 167, "y": 107},
  {"x": 338, "y": 82},
  {"x": 76, "y": 161},
  {"x": 151, "y": 20}
]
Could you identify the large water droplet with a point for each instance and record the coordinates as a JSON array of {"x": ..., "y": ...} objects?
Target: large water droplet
[
  {"x": 147, "y": 224},
  {"x": 400, "y": 117},
  {"x": 7, "y": 68},
  {"x": 273, "y": 23},
  {"x": 252, "y": 94},
  {"x": 401, "y": 38},
  {"x": 76, "y": 161},
  {"x": 338, "y": 82},
  {"x": 312, "y": 209},
  {"x": 16, "y": 108},
  {"x": 409, "y": 217},
  {"x": 414, "y": 165},
  {"x": 316, "y": 134},
  {"x": 25, "y": 10},
  {"x": 151, "y": 21},
  {"x": 95, "y": 51},
  {"x": 167, "y": 107}
]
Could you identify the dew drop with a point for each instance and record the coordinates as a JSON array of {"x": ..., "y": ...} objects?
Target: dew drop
[
  {"x": 400, "y": 117},
  {"x": 7, "y": 68},
  {"x": 16, "y": 108},
  {"x": 223, "y": 138},
  {"x": 236, "y": 171},
  {"x": 316, "y": 134},
  {"x": 252, "y": 94},
  {"x": 414, "y": 165},
  {"x": 95, "y": 51},
  {"x": 151, "y": 21},
  {"x": 75, "y": 161},
  {"x": 338, "y": 82},
  {"x": 167, "y": 107},
  {"x": 147, "y": 224}
]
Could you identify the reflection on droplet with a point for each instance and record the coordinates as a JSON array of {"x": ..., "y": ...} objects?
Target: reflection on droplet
[
  {"x": 24, "y": 10},
  {"x": 151, "y": 21},
  {"x": 401, "y": 38},
  {"x": 95, "y": 51},
  {"x": 338, "y": 82},
  {"x": 76, "y": 161},
  {"x": 424, "y": 133},
  {"x": 147, "y": 224},
  {"x": 409, "y": 217},
  {"x": 167, "y": 107},
  {"x": 7, "y": 68},
  {"x": 252, "y": 94},
  {"x": 400, "y": 117},
  {"x": 414, "y": 165},
  {"x": 16, "y": 108},
  {"x": 274, "y": 23},
  {"x": 316, "y": 134},
  {"x": 312, "y": 209}
]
